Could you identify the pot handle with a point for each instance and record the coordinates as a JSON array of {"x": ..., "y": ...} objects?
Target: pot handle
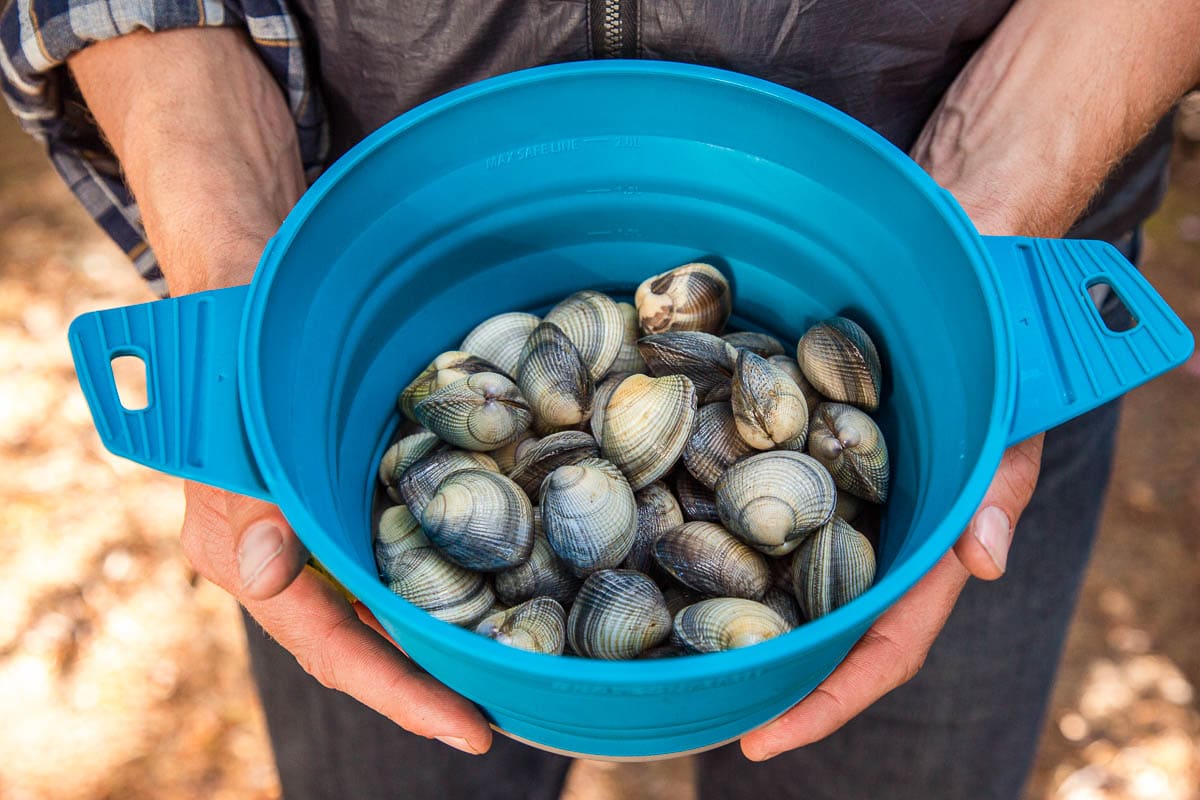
[
  {"x": 1068, "y": 360},
  {"x": 192, "y": 424}
]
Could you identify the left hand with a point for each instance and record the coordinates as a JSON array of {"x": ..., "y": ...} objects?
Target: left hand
[{"x": 894, "y": 648}]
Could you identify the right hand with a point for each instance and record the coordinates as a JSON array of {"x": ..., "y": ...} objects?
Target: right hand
[{"x": 247, "y": 548}]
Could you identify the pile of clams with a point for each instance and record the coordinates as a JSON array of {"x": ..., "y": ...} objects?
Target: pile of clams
[{"x": 625, "y": 481}]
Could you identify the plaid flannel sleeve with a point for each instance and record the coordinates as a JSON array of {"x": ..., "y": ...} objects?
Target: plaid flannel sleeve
[{"x": 37, "y": 36}]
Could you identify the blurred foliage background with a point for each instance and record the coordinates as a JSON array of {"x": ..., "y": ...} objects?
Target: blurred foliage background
[{"x": 123, "y": 673}]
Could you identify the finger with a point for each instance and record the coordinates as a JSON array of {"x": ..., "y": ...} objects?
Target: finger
[
  {"x": 890, "y": 654},
  {"x": 269, "y": 555},
  {"x": 983, "y": 547},
  {"x": 317, "y": 625}
]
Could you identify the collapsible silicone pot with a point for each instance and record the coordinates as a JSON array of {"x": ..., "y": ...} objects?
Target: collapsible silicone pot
[{"x": 513, "y": 192}]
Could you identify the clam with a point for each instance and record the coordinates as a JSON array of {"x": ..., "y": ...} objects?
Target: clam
[
  {"x": 420, "y": 481},
  {"x": 537, "y": 625},
  {"x": 444, "y": 370},
  {"x": 594, "y": 324},
  {"x": 709, "y": 559},
  {"x": 762, "y": 344},
  {"x": 706, "y": 359},
  {"x": 841, "y": 362},
  {"x": 782, "y": 603},
  {"x": 604, "y": 392},
  {"x": 851, "y": 446},
  {"x": 619, "y": 613},
  {"x": 629, "y": 359},
  {"x": 589, "y": 515},
  {"x": 657, "y": 512},
  {"x": 692, "y": 297},
  {"x": 447, "y": 591},
  {"x": 506, "y": 456},
  {"x": 727, "y": 623},
  {"x": 405, "y": 452},
  {"x": 480, "y": 412},
  {"x": 543, "y": 575},
  {"x": 714, "y": 443},
  {"x": 774, "y": 498},
  {"x": 398, "y": 532},
  {"x": 500, "y": 339},
  {"x": 812, "y": 398},
  {"x": 554, "y": 379},
  {"x": 768, "y": 407},
  {"x": 480, "y": 520},
  {"x": 646, "y": 426},
  {"x": 832, "y": 567},
  {"x": 549, "y": 453},
  {"x": 696, "y": 501}
]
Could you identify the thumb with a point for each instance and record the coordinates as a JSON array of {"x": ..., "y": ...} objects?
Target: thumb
[
  {"x": 269, "y": 554},
  {"x": 983, "y": 547}
]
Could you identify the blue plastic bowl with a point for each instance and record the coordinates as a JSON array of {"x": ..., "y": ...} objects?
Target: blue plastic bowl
[{"x": 513, "y": 192}]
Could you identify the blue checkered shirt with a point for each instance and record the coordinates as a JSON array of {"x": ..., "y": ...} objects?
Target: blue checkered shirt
[{"x": 37, "y": 36}]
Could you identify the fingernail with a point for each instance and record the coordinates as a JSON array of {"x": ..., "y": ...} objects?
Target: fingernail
[
  {"x": 261, "y": 544},
  {"x": 994, "y": 531},
  {"x": 458, "y": 744}
]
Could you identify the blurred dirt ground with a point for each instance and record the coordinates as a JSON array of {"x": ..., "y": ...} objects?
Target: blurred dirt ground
[{"x": 123, "y": 674}]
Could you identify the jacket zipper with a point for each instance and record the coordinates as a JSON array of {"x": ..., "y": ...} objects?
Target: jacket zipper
[{"x": 614, "y": 28}]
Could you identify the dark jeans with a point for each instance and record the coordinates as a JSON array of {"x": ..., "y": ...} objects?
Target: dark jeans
[{"x": 966, "y": 727}]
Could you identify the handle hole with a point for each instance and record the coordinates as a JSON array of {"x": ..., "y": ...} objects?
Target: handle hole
[
  {"x": 1110, "y": 306},
  {"x": 129, "y": 374}
]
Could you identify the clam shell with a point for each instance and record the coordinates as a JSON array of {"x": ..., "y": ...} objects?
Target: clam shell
[
  {"x": 841, "y": 362},
  {"x": 768, "y": 407},
  {"x": 714, "y": 444},
  {"x": 420, "y": 481},
  {"x": 604, "y": 392},
  {"x": 589, "y": 515},
  {"x": 549, "y": 453},
  {"x": 812, "y": 398},
  {"x": 480, "y": 412},
  {"x": 501, "y": 338},
  {"x": 657, "y": 512},
  {"x": 646, "y": 426},
  {"x": 762, "y": 344},
  {"x": 692, "y": 297},
  {"x": 709, "y": 559},
  {"x": 619, "y": 613},
  {"x": 447, "y": 591},
  {"x": 696, "y": 501},
  {"x": 852, "y": 448},
  {"x": 537, "y": 625},
  {"x": 405, "y": 452},
  {"x": 774, "y": 498},
  {"x": 594, "y": 324},
  {"x": 543, "y": 575},
  {"x": 727, "y": 623},
  {"x": 782, "y": 603},
  {"x": 480, "y": 520},
  {"x": 629, "y": 360},
  {"x": 506, "y": 456},
  {"x": 832, "y": 567},
  {"x": 444, "y": 370},
  {"x": 554, "y": 379},
  {"x": 705, "y": 359},
  {"x": 398, "y": 532}
]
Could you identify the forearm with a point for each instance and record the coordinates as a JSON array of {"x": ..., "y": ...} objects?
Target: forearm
[
  {"x": 206, "y": 142},
  {"x": 1059, "y": 93}
]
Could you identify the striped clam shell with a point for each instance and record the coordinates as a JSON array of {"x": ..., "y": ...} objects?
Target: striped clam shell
[
  {"x": 764, "y": 344},
  {"x": 398, "y": 532},
  {"x": 841, "y": 362},
  {"x": 727, "y": 623},
  {"x": 500, "y": 339},
  {"x": 832, "y": 567},
  {"x": 420, "y": 481},
  {"x": 696, "y": 501},
  {"x": 589, "y": 515},
  {"x": 852, "y": 448},
  {"x": 812, "y": 398},
  {"x": 543, "y": 575},
  {"x": 705, "y": 359},
  {"x": 784, "y": 604},
  {"x": 619, "y": 613},
  {"x": 594, "y": 324},
  {"x": 709, "y": 559},
  {"x": 554, "y": 379},
  {"x": 629, "y": 359},
  {"x": 405, "y": 452},
  {"x": 773, "y": 499},
  {"x": 646, "y": 426},
  {"x": 537, "y": 625},
  {"x": 714, "y": 443},
  {"x": 447, "y": 591},
  {"x": 691, "y": 297},
  {"x": 480, "y": 412},
  {"x": 768, "y": 407},
  {"x": 444, "y": 370},
  {"x": 480, "y": 520},
  {"x": 604, "y": 392},
  {"x": 657, "y": 512},
  {"x": 506, "y": 456},
  {"x": 549, "y": 453}
]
